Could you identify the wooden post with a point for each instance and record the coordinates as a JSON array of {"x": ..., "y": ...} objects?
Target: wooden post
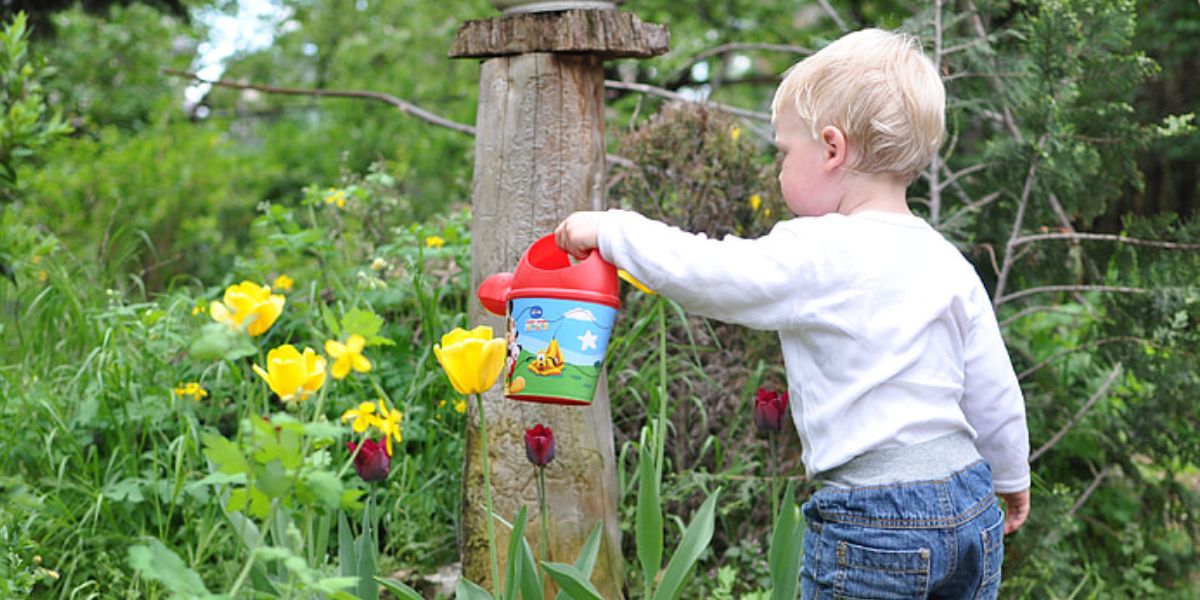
[{"x": 539, "y": 155}]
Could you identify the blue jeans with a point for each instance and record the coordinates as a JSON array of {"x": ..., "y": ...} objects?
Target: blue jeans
[{"x": 925, "y": 539}]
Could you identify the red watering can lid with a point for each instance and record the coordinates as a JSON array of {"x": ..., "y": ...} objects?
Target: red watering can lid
[{"x": 545, "y": 271}]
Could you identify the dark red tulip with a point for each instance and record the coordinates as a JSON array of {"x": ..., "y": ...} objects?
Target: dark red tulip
[
  {"x": 372, "y": 461},
  {"x": 539, "y": 445},
  {"x": 770, "y": 409}
]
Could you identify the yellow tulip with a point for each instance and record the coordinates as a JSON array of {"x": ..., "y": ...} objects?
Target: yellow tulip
[
  {"x": 472, "y": 359},
  {"x": 347, "y": 355},
  {"x": 248, "y": 305},
  {"x": 291, "y": 375}
]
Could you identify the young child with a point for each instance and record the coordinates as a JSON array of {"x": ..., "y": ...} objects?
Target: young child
[{"x": 901, "y": 388}]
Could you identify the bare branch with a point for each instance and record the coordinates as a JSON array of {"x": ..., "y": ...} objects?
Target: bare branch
[
  {"x": 1022, "y": 204},
  {"x": 1091, "y": 488},
  {"x": 1046, "y": 289},
  {"x": 1080, "y": 348},
  {"x": 965, "y": 46},
  {"x": 1029, "y": 310},
  {"x": 657, "y": 91},
  {"x": 833, "y": 15},
  {"x": 738, "y": 47},
  {"x": 974, "y": 206},
  {"x": 404, "y": 106},
  {"x": 935, "y": 166},
  {"x": 955, "y": 176},
  {"x": 1105, "y": 237},
  {"x": 1074, "y": 420}
]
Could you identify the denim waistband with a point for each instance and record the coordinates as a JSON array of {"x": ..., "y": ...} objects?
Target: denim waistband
[
  {"x": 933, "y": 504},
  {"x": 934, "y": 459}
]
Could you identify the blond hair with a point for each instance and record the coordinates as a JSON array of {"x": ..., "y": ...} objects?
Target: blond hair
[{"x": 880, "y": 90}]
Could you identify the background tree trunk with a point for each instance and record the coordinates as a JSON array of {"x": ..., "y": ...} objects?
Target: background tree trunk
[{"x": 539, "y": 156}]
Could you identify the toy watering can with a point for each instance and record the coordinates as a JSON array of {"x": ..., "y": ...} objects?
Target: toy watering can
[{"x": 559, "y": 320}]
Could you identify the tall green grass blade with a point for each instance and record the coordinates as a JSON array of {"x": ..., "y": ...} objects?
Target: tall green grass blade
[
  {"x": 367, "y": 545},
  {"x": 787, "y": 543},
  {"x": 347, "y": 553},
  {"x": 574, "y": 583},
  {"x": 695, "y": 539}
]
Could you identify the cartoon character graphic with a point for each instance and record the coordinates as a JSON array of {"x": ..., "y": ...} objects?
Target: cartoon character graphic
[
  {"x": 513, "y": 385},
  {"x": 549, "y": 361}
]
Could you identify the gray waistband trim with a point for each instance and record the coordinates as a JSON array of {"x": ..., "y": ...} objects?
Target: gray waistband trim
[{"x": 936, "y": 459}]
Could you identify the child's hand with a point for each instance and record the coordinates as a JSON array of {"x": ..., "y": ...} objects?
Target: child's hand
[
  {"x": 579, "y": 233},
  {"x": 1017, "y": 511}
]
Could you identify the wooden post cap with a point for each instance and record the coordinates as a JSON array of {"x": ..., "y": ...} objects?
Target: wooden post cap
[{"x": 608, "y": 33}]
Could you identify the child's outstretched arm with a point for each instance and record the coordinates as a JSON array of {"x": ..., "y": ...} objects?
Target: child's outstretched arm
[{"x": 758, "y": 283}]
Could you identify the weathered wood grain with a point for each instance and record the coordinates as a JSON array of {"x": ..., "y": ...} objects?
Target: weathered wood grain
[{"x": 607, "y": 33}]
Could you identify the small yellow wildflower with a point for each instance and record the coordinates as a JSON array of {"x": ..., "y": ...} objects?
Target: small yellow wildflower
[
  {"x": 378, "y": 264},
  {"x": 767, "y": 212},
  {"x": 362, "y": 417},
  {"x": 442, "y": 404},
  {"x": 460, "y": 407},
  {"x": 347, "y": 356},
  {"x": 735, "y": 132},
  {"x": 37, "y": 259},
  {"x": 434, "y": 241},
  {"x": 755, "y": 202},
  {"x": 284, "y": 283},
  {"x": 389, "y": 425},
  {"x": 192, "y": 389},
  {"x": 199, "y": 309},
  {"x": 43, "y": 276},
  {"x": 336, "y": 196}
]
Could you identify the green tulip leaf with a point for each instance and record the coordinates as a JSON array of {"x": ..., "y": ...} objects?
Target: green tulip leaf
[
  {"x": 469, "y": 591},
  {"x": 574, "y": 583},
  {"x": 695, "y": 539},
  {"x": 531, "y": 583},
  {"x": 400, "y": 589},
  {"x": 512, "y": 569},
  {"x": 787, "y": 542},
  {"x": 649, "y": 524}
]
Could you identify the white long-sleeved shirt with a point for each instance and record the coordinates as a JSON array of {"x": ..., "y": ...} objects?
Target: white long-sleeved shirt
[{"x": 888, "y": 335}]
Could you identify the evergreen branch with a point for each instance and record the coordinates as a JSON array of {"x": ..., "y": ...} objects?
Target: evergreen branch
[
  {"x": 665, "y": 93},
  {"x": 965, "y": 46},
  {"x": 404, "y": 105},
  {"x": 1104, "y": 237},
  {"x": 1074, "y": 420},
  {"x": 1068, "y": 288}
]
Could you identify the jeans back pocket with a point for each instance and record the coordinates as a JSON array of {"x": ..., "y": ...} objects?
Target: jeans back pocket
[
  {"x": 992, "y": 542},
  {"x": 880, "y": 574}
]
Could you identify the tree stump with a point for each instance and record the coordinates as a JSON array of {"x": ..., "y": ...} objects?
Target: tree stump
[{"x": 539, "y": 156}]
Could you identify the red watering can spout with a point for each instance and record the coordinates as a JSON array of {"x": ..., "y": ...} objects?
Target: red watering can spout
[{"x": 493, "y": 293}]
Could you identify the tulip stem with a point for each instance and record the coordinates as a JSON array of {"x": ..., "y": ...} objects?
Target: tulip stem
[
  {"x": 660, "y": 435},
  {"x": 545, "y": 549},
  {"x": 487, "y": 498},
  {"x": 774, "y": 474}
]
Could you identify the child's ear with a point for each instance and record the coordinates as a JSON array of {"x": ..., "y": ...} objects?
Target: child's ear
[{"x": 834, "y": 143}]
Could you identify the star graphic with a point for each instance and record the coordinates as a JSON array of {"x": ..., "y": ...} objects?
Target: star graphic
[{"x": 588, "y": 338}]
